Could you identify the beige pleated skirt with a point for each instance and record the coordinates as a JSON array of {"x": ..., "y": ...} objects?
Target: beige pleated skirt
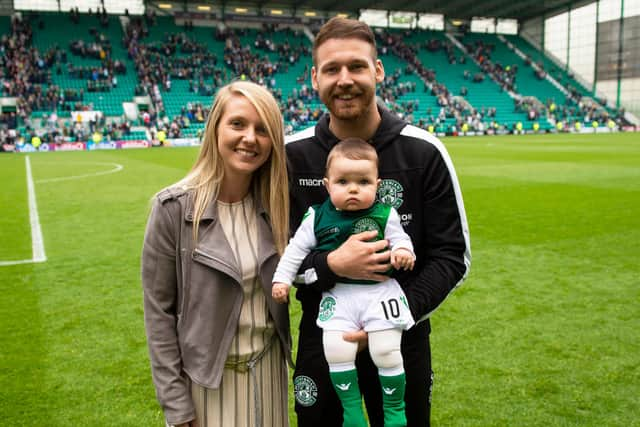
[{"x": 237, "y": 403}]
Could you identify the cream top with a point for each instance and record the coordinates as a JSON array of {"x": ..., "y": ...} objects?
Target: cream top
[{"x": 255, "y": 328}]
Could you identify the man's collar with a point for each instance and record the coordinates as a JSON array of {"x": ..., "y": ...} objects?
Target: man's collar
[{"x": 390, "y": 126}]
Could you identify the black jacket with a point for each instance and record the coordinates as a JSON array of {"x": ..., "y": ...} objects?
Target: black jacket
[{"x": 418, "y": 179}]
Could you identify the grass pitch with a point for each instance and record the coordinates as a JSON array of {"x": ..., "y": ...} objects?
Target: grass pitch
[{"x": 543, "y": 333}]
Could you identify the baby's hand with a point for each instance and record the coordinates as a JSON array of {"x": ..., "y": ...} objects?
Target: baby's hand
[
  {"x": 402, "y": 259},
  {"x": 280, "y": 292}
]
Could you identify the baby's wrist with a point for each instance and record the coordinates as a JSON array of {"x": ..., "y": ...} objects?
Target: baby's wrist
[
  {"x": 402, "y": 251},
  {"x": 281, "y": 285}
]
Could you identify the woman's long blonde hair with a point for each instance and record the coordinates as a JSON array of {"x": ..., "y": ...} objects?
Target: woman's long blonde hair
[{"x": 269, "y": 182}]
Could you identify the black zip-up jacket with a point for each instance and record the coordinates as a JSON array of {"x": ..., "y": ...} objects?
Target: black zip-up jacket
[{"x": 418, "y": 179}]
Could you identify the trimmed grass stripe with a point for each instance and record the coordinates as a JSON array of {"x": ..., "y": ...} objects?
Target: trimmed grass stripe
[{"x": 15, "y": 234}]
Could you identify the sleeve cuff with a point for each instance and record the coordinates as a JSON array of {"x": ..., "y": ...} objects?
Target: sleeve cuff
[
  {"x": 318, "y": 275},
  {"x": 326, "y": 277}
]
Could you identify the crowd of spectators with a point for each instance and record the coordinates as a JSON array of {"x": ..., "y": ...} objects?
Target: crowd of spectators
[
  {"x": 533, "y": 108},
  {"x": 391, "y": 90},
  {"x": 162, "y": 124},
  {"x": 56, "y": 130},
  {"x": 298, "y": 114},
  {"x": 300, "y": 108},
  {"x": 503, "y": 75},
  {"x": 583, "y": 110},
  {"x": 150, "y": 78},
  {"x": 9, "y": 120},
  {"x": 586, "y": 111},
  {"x": 477, "y": 77},
  {"x": 393, "y": 43},
  {"x": 205, "y": 75},
  {"x": 51, "y": 99},
  {"x": 9, "y": 137},
  {"x": 461, "y": 118},
  {"x": 451, "y": 107},
  {"x": 102, "y": 77},
  {"x": 242, "y": 61},
  {"x": 287, "y": 52},
  {"x": 208, "y": 87},
  {"x": 179, "y": 57},
  {"x": 25, "y": 71},
  {"x": 435, "y": 45}
]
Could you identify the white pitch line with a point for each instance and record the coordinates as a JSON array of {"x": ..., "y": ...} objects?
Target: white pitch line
[
  {"x": 37, "y": 243},
  {"x": 22, "y": 261},
  {"x": 118, "y": 168}
]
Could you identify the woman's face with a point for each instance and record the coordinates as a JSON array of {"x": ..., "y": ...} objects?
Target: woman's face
[{"x": 243, "y": 142}]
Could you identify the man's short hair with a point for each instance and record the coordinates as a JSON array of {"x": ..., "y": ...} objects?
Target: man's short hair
[
  {"x": 343, "y": 28},
  {"x": 354, "y": 149}
]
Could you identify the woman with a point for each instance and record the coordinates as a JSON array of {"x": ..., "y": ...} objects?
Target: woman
[{"x": 218, "y": 343}]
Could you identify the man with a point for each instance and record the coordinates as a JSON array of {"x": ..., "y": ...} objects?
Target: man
[{"x": 417, "y": 179}]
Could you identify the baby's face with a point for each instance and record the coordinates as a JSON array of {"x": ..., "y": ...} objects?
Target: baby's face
[{"x": 352, "y": 184}]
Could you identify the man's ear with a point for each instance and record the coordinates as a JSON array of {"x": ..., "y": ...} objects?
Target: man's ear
[
  {"x": 314, "y": 78},
  {"x": 379, "y": 71}
]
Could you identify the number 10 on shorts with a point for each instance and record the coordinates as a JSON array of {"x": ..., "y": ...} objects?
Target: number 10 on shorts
[{"x": 391, "y": 308}]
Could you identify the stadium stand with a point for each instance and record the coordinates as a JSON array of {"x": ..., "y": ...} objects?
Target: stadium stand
[
  {"x": 457, "y": 71},
  {"x": 58, "y": 63}
]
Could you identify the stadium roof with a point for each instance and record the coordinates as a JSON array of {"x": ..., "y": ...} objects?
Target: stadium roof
[{"x": 462, "y": 9}]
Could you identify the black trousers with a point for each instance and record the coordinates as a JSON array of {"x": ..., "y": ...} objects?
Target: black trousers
[{"x": 316, "y": 401}]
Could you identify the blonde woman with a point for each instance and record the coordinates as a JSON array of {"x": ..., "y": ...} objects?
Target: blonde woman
[{"x": 218, "y": 342}]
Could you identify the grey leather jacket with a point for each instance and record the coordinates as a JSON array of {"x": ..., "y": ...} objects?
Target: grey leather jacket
[{"x": 192, "y": 298}]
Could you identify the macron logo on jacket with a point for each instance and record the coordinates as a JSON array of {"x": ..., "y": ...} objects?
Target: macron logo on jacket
[{"x": 310, "y": 182}]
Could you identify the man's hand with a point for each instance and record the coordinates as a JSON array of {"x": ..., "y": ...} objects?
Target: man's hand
[
  {"x": 402, "y": 259},
  {"x": 358, "y": 258},
  {"x": 280, "y": 292},
  {"x": 361, "y": 337}
]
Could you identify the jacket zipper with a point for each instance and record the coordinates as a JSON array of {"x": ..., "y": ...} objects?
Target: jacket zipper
[
  {"x": 198, "y": 252},
  {"x": 212, "y": 258}
]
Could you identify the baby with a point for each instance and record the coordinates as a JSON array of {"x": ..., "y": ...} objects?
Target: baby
[{"x": 380, "y": 308}]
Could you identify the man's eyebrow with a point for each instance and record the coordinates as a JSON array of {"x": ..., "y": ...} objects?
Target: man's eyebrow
[
  {"x": 328, "y": 64},
  {"x": 346, "y": 62}
]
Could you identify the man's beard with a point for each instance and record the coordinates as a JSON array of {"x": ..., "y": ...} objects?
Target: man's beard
[{"x": 359, "y": 107}]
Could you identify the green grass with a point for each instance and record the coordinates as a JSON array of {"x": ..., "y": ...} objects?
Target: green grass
[
  {"x": 543, "y": 333},
  {"x": 13, "y": 201}
]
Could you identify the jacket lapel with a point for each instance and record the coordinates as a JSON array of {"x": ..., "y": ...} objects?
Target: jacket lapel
[{"x": 213, "y": 249}]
